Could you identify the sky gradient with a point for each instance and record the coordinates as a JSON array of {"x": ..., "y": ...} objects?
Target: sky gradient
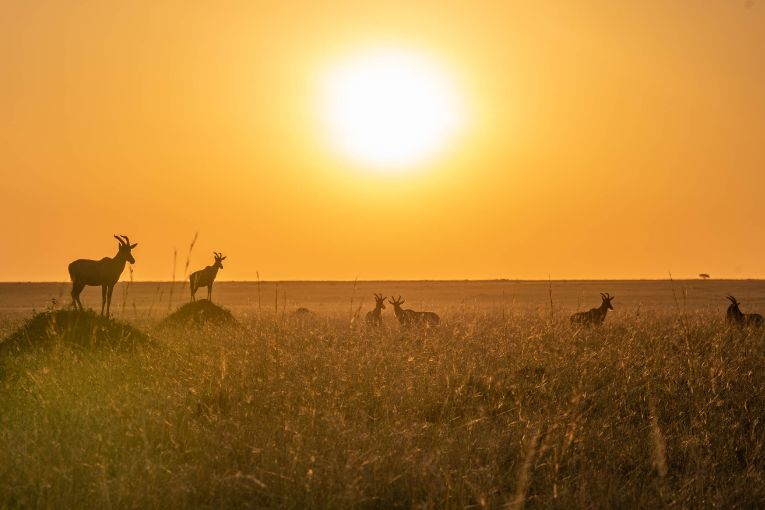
[{"x": 607, "y": 139}]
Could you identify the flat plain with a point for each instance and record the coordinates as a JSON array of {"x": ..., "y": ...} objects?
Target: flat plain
[
  {"x": 504, "y": 405},
  {"x": 152, "y": 300}
]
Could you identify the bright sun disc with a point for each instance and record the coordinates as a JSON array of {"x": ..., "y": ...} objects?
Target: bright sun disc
[{"x": 390, "y": 109}]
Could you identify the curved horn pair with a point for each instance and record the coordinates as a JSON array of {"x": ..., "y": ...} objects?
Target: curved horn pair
[{"x": 123, "y": 241}]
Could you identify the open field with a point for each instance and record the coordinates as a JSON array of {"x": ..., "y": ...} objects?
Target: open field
[
  {"x": 152, "y": 300},
  {"x": 505, "y": 404}
]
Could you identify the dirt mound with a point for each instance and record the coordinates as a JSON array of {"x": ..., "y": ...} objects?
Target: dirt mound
[
  {"x": 86, "y": 329},
  {"x": 197, "y": 313}
]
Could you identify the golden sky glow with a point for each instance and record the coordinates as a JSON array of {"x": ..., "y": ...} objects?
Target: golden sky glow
[{"x": 601, "y": 139}]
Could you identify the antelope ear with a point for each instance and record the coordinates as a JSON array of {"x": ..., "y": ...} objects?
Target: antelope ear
[
  {"x": 133, "y": 245},
  {"x": 222, "y": 259}
]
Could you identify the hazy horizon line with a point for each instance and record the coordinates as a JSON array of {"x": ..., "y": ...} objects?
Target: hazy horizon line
[{"x": 418, "y": 280}]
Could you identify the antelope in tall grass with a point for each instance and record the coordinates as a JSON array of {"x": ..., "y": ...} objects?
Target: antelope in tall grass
[
  {"x": 408, "y": 317},
  {"x": 594, "y": 316},
  {"x": 205, "y": 277},
  {"x": 374, "y": 317},
  {"x": 105, "y": 272},
  {"x": 734, "y": 315}
]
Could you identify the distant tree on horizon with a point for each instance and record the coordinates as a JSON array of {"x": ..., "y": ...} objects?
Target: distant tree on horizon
[{"x": 704, "y": 276}]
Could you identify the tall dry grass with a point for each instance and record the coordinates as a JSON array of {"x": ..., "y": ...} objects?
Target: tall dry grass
[{"x": 492, "y": 410}]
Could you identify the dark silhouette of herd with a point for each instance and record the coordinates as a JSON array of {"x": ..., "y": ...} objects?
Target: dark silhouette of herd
[
  {"x": 106, "y": 273},
  {"x": 406, "y": 318}
]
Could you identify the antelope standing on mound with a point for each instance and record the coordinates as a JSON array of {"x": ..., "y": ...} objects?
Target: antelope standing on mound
[
  {"x": 408, "y": 317},
  {"x": 594, "y": 316},
  {"x": 105, "y": 272},
  {"x": 735, "y": 316},
  {"x": 374, "y": 317},
  {"x": 205, "y": 277}
]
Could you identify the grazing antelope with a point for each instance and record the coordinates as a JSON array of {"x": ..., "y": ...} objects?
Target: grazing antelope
[
  {"x": 205, "y": 277},
  {"x": 735, "y": 316},
  {"x": 374, "y": 317},
  {"x": 408, "y": 317},
  {"x": 594, "y": 316},
  {"x": 105, "y": 272}
]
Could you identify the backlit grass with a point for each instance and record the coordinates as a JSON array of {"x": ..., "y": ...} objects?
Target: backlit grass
[{"x": 486, "y": 411}]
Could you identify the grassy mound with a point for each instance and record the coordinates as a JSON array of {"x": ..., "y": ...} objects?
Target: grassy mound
[
  {"x": 197, "y": 313},
  {"x": 86, "y": 329}
]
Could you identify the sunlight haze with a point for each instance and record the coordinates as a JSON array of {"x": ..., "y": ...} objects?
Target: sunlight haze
[
  {"x": 390, "y": 110},
  {"x": 593, "y": 139}
]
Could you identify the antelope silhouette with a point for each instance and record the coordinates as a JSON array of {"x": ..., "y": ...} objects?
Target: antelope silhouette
[
  {"x": 594, "y": 316},
  {"x": 374, "y": 317},
  {"x": 205, "y": 277},
  {"x": 408, "y": 317},
  {"x": 105, "y": 272},
  {"x": 735, "y": 316}
]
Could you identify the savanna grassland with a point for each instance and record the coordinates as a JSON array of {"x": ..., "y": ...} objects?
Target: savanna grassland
[{"x": 505, "y": 404}]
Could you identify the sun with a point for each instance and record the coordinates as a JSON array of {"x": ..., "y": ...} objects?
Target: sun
[{"x": 390, "y": 110}]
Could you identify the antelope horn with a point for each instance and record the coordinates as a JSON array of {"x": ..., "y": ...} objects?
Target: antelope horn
[
  {"x": 122, "y": 242},
  {"x": 127, "y": 240}
]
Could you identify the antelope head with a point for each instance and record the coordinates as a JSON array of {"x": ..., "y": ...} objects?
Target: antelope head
[
  {"x": 380, "y": 300},
  {"x": 125, "y": 248},
  {"x": 607, "y": 300},
  {"x": 396, "y": 302},
  {"x": 219, "y": 258}
]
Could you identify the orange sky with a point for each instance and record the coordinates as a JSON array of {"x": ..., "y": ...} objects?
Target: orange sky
[{"x": 607, "y": 140}]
